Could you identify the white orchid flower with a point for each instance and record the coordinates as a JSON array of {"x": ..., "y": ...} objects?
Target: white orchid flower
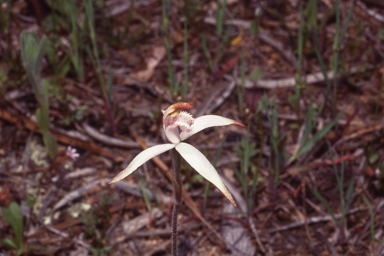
[
  {"x": 173, "y": 120},
  {"x": 72, "y": 153}
]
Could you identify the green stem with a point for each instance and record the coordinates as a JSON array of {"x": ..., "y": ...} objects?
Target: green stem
[{"x": 176, "y": 161}]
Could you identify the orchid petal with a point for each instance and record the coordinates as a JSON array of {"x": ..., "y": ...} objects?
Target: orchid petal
[
  {"x": 201, "y": 164},
  {"x": 205, "y": 122},
  {"x": 172, "y": 134},
  {"x": 141, "y": 158}
]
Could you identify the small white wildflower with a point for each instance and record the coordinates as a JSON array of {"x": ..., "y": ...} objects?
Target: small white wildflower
[{"x": 72, "y": 153}]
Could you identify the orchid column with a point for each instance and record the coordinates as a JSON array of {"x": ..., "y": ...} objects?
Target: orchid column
[{"x": 178, "y": 126}]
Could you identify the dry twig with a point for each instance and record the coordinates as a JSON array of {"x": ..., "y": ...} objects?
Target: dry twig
[
  {"x": 64, "y": 138},
  {"x": 312, "y": 220},
  {"x": 370, "y": 12}
]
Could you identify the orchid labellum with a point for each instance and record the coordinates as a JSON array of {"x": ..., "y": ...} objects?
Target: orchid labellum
[{"x": 178, "y": 126}]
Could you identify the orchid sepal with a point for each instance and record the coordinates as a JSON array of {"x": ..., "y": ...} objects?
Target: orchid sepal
[
  {"x": 207, "y": 121},
  {"x": 141, "y": 158},
  {"x": 201, "y": 164}
]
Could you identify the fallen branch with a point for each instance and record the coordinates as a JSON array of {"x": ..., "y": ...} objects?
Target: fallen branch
[
  {"x": 291, "y": 82},
  {"x": 312, "y": 220},
  {"x": 60, "y": 136},
  {"x": 370, "y": 12},
  {"x": 108, "y": 140}
]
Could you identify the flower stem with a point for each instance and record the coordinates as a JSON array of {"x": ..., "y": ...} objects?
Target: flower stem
[{"x": 176, "y": 161}]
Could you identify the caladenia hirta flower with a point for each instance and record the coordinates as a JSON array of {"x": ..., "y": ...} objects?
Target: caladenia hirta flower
[{"x": 178, "y": 126}]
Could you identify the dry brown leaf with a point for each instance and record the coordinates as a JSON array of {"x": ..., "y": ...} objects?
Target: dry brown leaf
[{"x": 157, "y": 55}]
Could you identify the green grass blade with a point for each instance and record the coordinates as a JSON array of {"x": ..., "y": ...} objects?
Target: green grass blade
[
  {"x": 311, "y": 13},
  {"x": 239, "y": 177},
  {"x": 346, "y": 24},
  {"x": 239, "y": 89},
  {"x": 336, "y": 46},
  {"x": 349, "y": 195},
  {"x": 184, "y": 89},
  {"x": 308, "y": 123},
  {"x": 246, "y": 153},
  {"x": 145, "y": 196},
  {"x": 372, "y": 226},
  {"x": 300, "y": 46},
  {"x": 340, "y": 182},
  {"x": 206, "y": 52},
  {"x": 324, "y": 202},
  {"x": 11, "y": 243},
  {"x": 317, "y": 137},
  {"x": 76, "y": 46},
  {"x": 14, "y": 217},
  {"x": 220, "y": 13},
  {"x": 322, "y": 65}
]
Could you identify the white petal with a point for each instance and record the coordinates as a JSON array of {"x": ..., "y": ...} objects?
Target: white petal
[
  {"x": 141, "y": 159},
  {"x": 208, "y": 121},
  {"x": 172, "y": 134},
  {"x": 201, "y": 164}
]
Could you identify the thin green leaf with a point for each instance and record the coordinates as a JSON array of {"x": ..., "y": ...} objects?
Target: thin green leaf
[
  {"x": 10, "y": 243},
  {"x": 252, "y": 193},
  {"x": 240, "y": 88},
  {"x": 346, "y": 24},
  {"x": 340, "y": 182},
  {"x": 50, "y": 143},
  {"x": 218, "y": 154},
  {"x": 220, "y": 16},
  {"x": 308, "y": 123},
  {"x": 40, "y": 121},
  {"x": 145, "y": 196},
  {"x": 206, "y": 52},
  {"x": 349, "y": 195},
  {"x": 246, "y": 153},
  {"x": 311, "y": 13},
  {"x": 184, "y": 88},
  {"x": 300, "y": 45},
  {"x": 14, "y": 217},
  {"x": 322, "y": 200},
  {"x": 40, "y": 53},
  {"x": 240, "y": 178},
  {"x": 320, "y": 134},
  {"x": 372, "y": 229},
  {"x": 322, "y": 65}
]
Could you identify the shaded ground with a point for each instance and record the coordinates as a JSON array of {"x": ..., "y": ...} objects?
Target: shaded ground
[{"x": 300, "y": 206}]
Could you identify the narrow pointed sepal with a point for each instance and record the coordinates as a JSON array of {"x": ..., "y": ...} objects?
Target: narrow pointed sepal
[
  {"x": 201, "y": 164},
  {"x": 207, "y": 121},
  {"x": 141, "y": 158}
]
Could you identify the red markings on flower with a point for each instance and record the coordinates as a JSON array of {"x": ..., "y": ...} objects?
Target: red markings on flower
[
  {"x": 174, "y": 117},
  {"x": 238, "y": 124}
]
